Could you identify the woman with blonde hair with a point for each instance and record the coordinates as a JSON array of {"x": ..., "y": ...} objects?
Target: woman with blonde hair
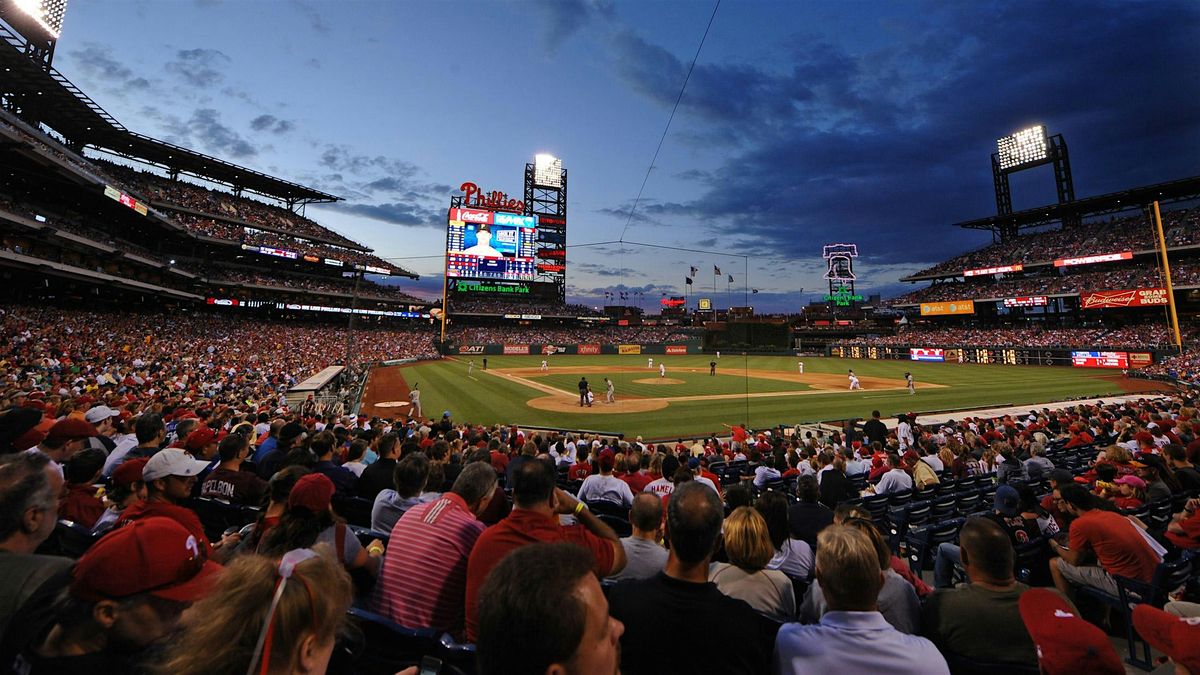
[
  {"x": 265, "y": 616},
  {"x": 745, "y": 577}
]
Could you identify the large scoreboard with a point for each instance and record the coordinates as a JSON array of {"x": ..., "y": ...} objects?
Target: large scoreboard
[{"x": 1013, "y": 356}]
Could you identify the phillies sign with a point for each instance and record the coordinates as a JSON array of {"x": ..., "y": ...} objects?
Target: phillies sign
[
  {"x": 1138, "y": 297},
  {"x": 495, "y": 200}
]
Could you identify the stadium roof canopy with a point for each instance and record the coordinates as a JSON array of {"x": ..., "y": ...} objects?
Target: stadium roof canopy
[
  {"x": 50, "y": 98},
  {"x": 1113, "y": 202}
]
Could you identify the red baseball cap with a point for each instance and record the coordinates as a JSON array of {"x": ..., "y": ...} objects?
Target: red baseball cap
[
  {"x": 152, "y": 555},
  {"x": 313, "y": 492},
  {"x": 1066, "y": 643},
  {"x": 608, "y": 459},
  {"x": 129, "y": 472},
  {"x": 69, "y": 429},
  {"x": 1174, "y": 636},
  {"x": 202, "y": 437}
]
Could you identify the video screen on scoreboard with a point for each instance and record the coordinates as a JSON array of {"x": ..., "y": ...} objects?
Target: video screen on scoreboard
[
  {"x": 1100, "y": 359},
  {"x": 491, "y": 245}
]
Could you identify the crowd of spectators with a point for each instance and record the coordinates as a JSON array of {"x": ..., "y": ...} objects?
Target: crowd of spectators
[
  {"x": 366, "y": 288},
  {"x": 500, "y": 537},
  {"x": 1140, "y": 336},
  {"x": 1051, "y": 282},
  {"x": 1131, "y": 233},
  {"x": 554, "y": 335}
]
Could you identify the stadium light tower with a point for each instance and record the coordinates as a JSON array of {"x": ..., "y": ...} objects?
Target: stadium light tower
[
  {"x": 1026, "y": 149},
  {"x": 39, "y": 22},
  {"x": 546, "y": 198}
]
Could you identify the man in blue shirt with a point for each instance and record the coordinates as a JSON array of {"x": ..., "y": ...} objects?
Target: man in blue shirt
[
  {"x": 853, "y": 637},
  {"x": 895, "y": 480}
]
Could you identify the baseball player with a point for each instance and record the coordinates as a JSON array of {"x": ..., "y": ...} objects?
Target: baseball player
[
  {"x": 800, "y": 365},
  {"x": 662, "y": 370},
  {"x": 610, "y": 391},
  {"x": 854, "y": 381},
  {"x": 545, "y": 366},
  {"x": 908, "y": 378},
  {"x": 650, "y": 362},
  {"x": 470, "y": 367},
  {"x": 414, "y": 397}
]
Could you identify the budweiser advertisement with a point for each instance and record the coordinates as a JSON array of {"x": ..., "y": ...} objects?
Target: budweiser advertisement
[
  {"x": 1092, "y": 259},
  {"x": 944, "y": 308},
  {"x": 988, "y": 271},
  {"x": 1027, "y": 301},
  {"x": 1137, "y": 297},
  {"x": 922, "y": 354},
  {"x": 516, "y": 349},
  {"x": 1100, "y": 359}
]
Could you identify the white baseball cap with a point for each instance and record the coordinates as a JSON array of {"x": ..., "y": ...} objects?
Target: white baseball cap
[
  {"x": 171, "y": 462},
  {"x": 100, "y": 413}
]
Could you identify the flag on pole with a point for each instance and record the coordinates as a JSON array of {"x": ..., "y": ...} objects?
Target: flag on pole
[
  {"x": 731, "y": 278},
  {"x": 694, "y": 270},
  {"x": 687, "y": 280},
  {"x": 716, "y": 271},
  {"x": 753, "y": 290}
]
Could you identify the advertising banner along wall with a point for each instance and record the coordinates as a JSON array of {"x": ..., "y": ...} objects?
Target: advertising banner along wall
[
  {"x": 1138, "y": 297},
  {"x": 945, "y": 308}
]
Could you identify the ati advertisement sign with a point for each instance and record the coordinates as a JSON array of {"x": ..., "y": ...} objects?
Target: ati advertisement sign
[
  {"x": 988, "y": 271},
  {"x": 676, "y": 349},
  {"x": 470, "y": 349},
  {"x": 1138, "y": 297},
  {"x": 920, "y": 354},
  {"x": 516, "y": 349},
  {"x": 629, "y": 349},
  {"x": 1100, "y": 359},
  {"x": 588, "y": 349},
  {"x": 945, "y": 308}
]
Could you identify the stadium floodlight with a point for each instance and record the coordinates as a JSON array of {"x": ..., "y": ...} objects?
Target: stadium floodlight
[
  {"x": 47, "y": 13},
  {"x": 1027, "y": 146},
  {"x": 547, "y": 171}
]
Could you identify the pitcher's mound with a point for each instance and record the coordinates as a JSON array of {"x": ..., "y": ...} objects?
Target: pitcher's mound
[
  {"x": 658, "y": 380},
  {"x": 571, "y": 405},
  {"x": 393, "y": 404}
]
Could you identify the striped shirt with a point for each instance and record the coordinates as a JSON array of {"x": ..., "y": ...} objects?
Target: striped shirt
[{"x": 424, "y": 574}]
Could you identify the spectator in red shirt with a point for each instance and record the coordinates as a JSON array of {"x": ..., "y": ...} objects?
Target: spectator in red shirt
[
  {"x": 1118, "y": 546},
  {"x": 582, "y": 469},
  {"x": 1184, "y": 530},
  {"x": 498, "y": 458},
  {"x": 636, "y": 474},
  {"x": 537, "y": 503},
  {"x": 80, "y": 503}
]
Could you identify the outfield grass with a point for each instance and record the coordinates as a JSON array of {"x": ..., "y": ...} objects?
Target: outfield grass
[{"x": 488, "y": 399}]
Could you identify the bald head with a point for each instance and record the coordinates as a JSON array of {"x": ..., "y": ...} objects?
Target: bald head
[
  {"x": 694, "y": 519},
  {"x": 987, "y": 551},
  {"x": 646, "y": 514}
]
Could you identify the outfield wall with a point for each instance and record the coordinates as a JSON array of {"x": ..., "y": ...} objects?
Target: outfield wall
[
  {"x": 1097, "y": 357},
  {"x": 672, "y": 348}
]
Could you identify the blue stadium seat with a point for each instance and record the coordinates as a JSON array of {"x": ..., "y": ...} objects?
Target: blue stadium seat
[
  {"x": 389, "y": 647},
  {"x": 619, "y": 525},
  {"x": 1168, "y": 576},
  {"x": 356, "y": 510},
  {"x": 217, "y": 516},
  {"x": 366, "y": 535},
  {"x": 923, "y": 541}
]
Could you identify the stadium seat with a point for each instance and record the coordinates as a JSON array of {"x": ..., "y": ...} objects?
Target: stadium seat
[
  {"x": 617, "y": 523},
  {"x": 356, "y": 510},
  {"x": 69, "y": 539},
  {"x": 942, "y": 507},
  {"x": 217, "y": 516},
  {"x": 1168, "y": 576},
  {"x": 389, "y": 647},
  {"x": 366, "y": 535},
  {"x": 601, "y": 506},
  {"x": 457, "y": 658},
  {"x": 922, "y": 541},
  {"x": 960, "y": 665},
  {"x": 877, "y": 506},
  {"x": 1031, "y": 562},
  {"x": 1159, "y": 516}
]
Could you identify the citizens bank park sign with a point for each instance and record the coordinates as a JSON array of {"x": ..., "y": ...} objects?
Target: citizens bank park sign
[{"x": 1138, "y": 297}]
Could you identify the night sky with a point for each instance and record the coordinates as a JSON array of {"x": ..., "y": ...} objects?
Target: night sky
[{"x": 803, "y": 123}]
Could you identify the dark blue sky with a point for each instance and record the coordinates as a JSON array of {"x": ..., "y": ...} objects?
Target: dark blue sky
[{"x": 803, "y": 123}]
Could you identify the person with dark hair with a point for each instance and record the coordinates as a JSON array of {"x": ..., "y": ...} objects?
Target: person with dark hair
[
  {"x": 809, "y": 516},
  {"x": 542, "y": 611},
  {"x": 644, "y": 554},
  {"x": 793, "y": 557},
  {"x": 29, "y": 491},
  {"x": 290, "y": 435},
  {"x": 896, "y": 479},
  {"x": 228, "y": 482},
  {"x": 537, "y": 503},
  {"x": 981, "y": 620},
  {"x": 1185, "y": 473},
  {"x": 278, "y": 489},
  {"x": 410, "y": 477},
  {"x": 1111, "y": 540},
  {"x": 126, "y": 593},
  {"x": 1160, "y": 482},
  {"x": 150, "y": 433},
  {"x": 322, "y": 445},
  {"x": 651, "y": 608},
  {"x": 80, "y": 504},
  {"x": 604, "y": 486},
  {"x": 125, "y": 489},
  {"x": 422, "y": 583},
  {"x": 666, "y": 484},
  {"x": 852, "y": 637},
  {"x": 836, "y": 487},
  {"x": 378, "y": 476},
  {"x": 309, "y": 520},
  {"x": 875, "y": 430}
]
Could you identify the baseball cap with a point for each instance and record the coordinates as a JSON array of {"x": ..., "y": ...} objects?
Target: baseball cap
[
  {"x": 694, "y": 463},
  {"x": 150, "y": 555},
  {"x": 171, "y": 462},
  {"x": 100, "y": 413},
  {"x": 313, "y": 492},
  {"x": 1132, "y": 481},
  {"x": 1065, "y": 642},
  {"x": 607, "y": 459},
  {"x": 69, "y": 429},
  {"x": 201, "y": 437},
  {"x": 16, "y": 424},
  {"x": 445, "y": 413},
  {"x": 129, "y": 472},
  {"x": 1007, "y": 500},
  {"x": 1174, "y": 636}
]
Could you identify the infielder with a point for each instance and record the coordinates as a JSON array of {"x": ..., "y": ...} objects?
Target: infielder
[
  {"x": 414, "y": 397},
  {"x": 610, "y": 391},
  {"x": 545, "y": 367},
  {"x": 470, "y": 367},
  {"x": 909, "y": 379},
  {"x": 800, "y": 365},
  {"x": 854, "y": 381},
  {"x": 662, "y": 370},
  {"x": 650, "y": 362}
]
